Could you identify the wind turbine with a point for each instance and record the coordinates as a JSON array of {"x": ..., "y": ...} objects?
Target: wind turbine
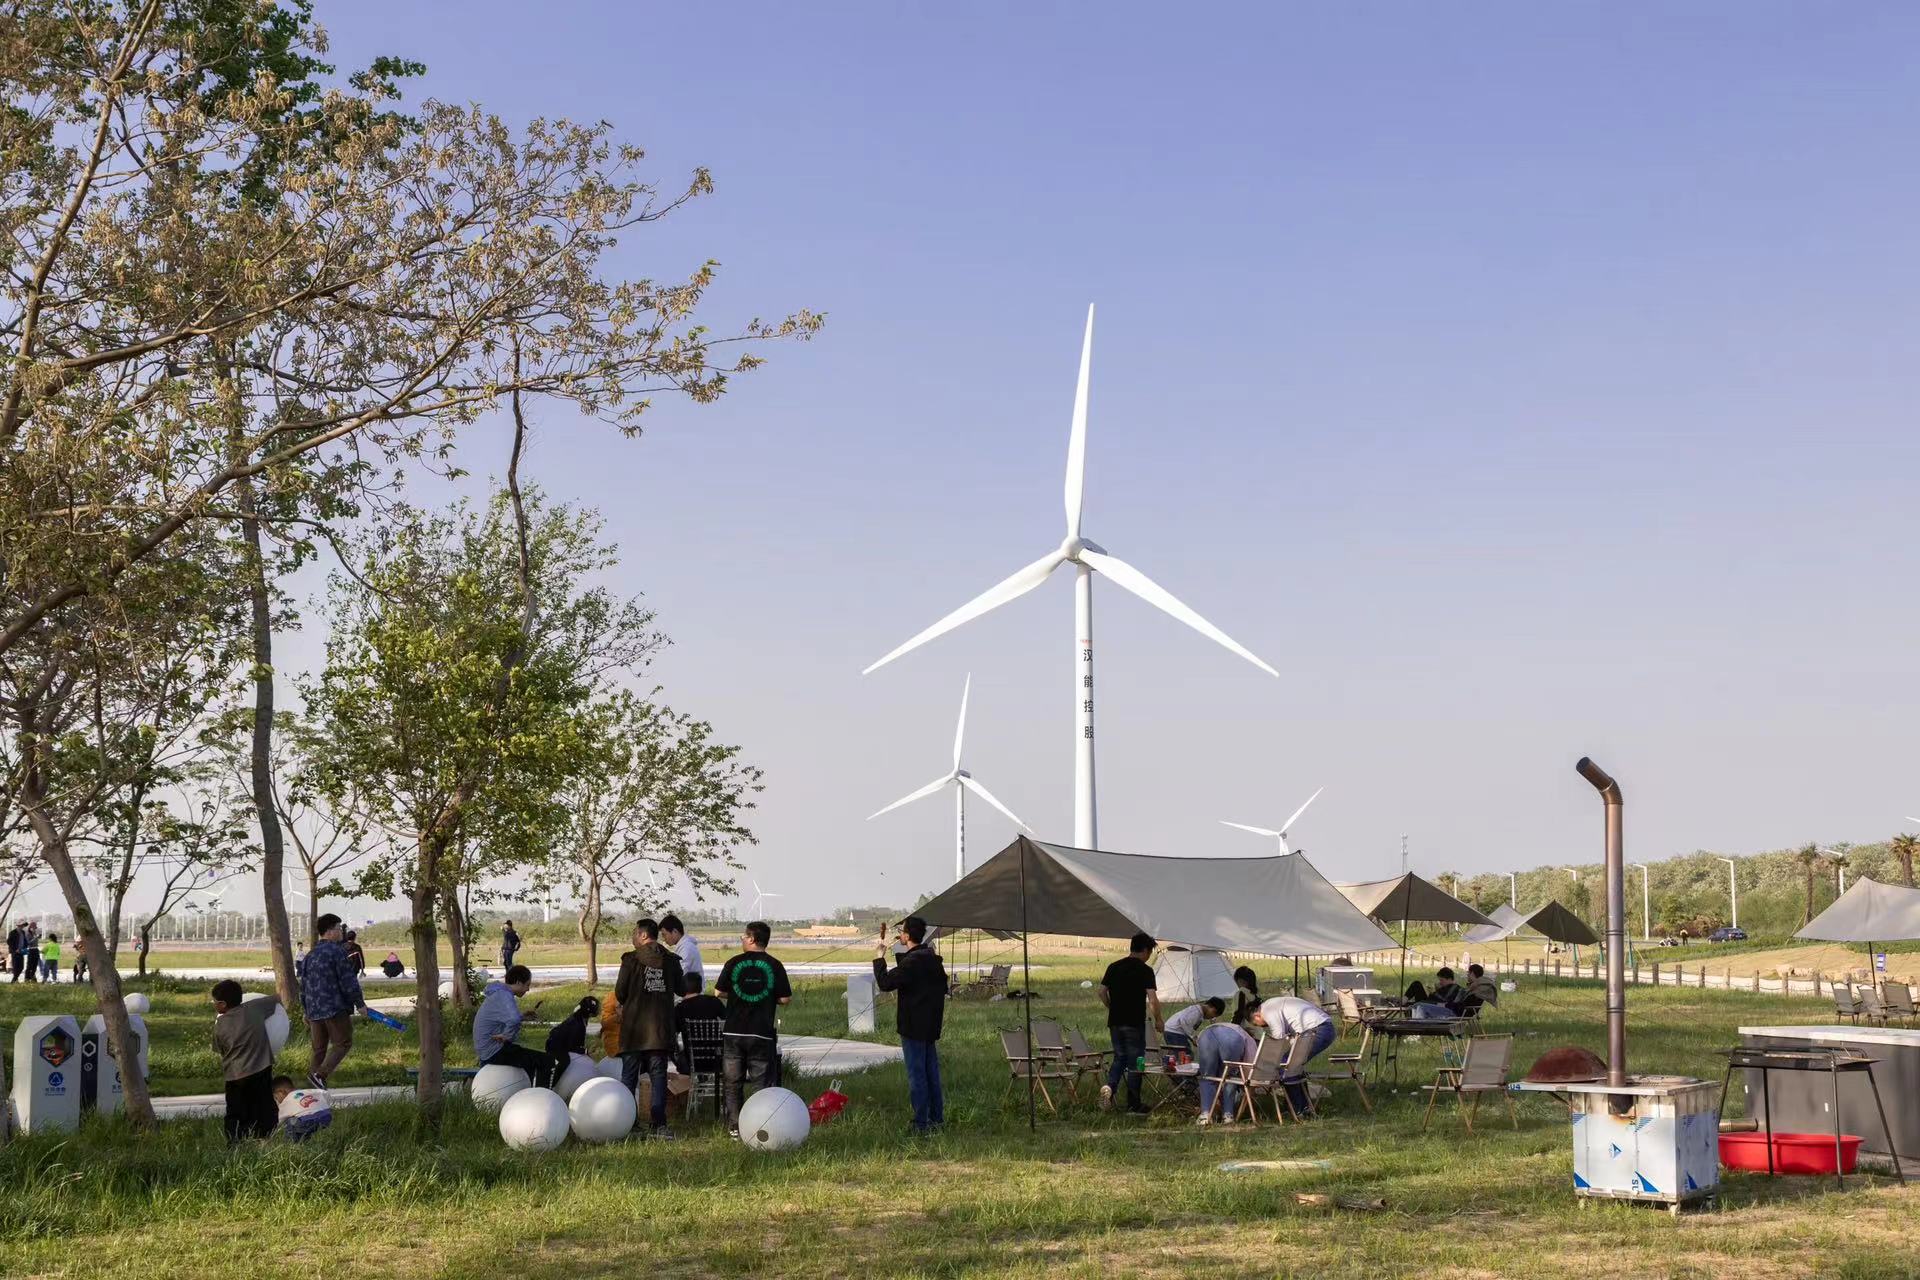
[
  {"x": 962, "y": 782},
  {"x": 1085, "y": 557},
  {"x": 1281, "y": 834},
  {"x": 760, "y": 896}
]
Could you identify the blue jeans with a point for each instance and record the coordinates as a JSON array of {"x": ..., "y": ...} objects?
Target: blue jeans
[
  {"x": 655, "y": 1063},
  {"x": 1177, "y": 1040},
  {"x": 923, "y": 1083},
  {"x": 1212, "y": 1054},
  {"x": 1129, "y": 1046},
  {"x": 1322, "y": 1036}
]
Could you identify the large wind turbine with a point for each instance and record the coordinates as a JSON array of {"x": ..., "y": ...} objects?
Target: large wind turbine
[
  {"x": 962, "y": 782},
  {"x": 1085, "y": 557},
  {"x": 1281, "y": 834}
]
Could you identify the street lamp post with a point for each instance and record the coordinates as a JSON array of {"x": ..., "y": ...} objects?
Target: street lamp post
[
  {"x": 1646, "y": 901},
  {"x": 1733, "y": 892}
]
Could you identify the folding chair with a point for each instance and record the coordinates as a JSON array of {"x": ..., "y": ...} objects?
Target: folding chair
[
  {"x": 1899, "y": 1002},
  {"x": 1047, "y": 1043},
  {"x": 1265, "y": 1074},
  {"x": 1350, "y": 1015},
  {"x": 1082, "y": 1054},
  {"x": 1845, "y": 1003},
  {"x": 1350, "y": 1066},
  {"x": 1482, "y": 1070},
  {"x": 1871, "y": 1010},
  {"x": 1043, "y": 1067},
  {"x": 701, "y": 1042}
]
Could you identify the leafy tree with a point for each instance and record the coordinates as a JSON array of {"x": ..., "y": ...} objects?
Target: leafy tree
[
  {"x": 1813, "y": 865},
  {"x": 462, "y": 656},
  {"x": 199, "y": 840},
  {"x": 1904, "y": 846},
  {"x": 661, "y": 795}
]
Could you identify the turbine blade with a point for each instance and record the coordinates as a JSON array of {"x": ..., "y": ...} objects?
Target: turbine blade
[
  {"x": 1288, "y": 824},
  {"x": 960, "y": 729},
  {"x": 1259, "y": 831},
  {"x": 1077, "y": 441},
  {"x": 1131, "y": 579},
  {"x": 987, "y": 795},
  {"x": 1915, "y": 820},
  {"x": 909, "y": 798},
  {"x": 1011, "y": 587}
]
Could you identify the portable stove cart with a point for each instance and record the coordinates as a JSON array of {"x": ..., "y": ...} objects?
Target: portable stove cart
[{"x": 1664, "y": 1148}]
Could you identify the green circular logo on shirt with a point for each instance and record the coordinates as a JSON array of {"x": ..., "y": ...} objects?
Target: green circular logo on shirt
[{"x": 752, "y": 980}]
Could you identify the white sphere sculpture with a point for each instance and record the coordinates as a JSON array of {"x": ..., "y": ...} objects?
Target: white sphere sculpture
[
  {"x": 138, "y": 1004},
  {"x": 580, "y": 1069},
  {"x": 276, "y": 1024},
  {"x": 494, "y": 1084},
  {"x": 774, "y": 1120},
  {"x": 611, "y": 1066},
  {"x": 602, "y": 1110},
  {"x": 534, "y": 1120}
]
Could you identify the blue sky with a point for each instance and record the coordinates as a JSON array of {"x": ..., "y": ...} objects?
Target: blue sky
[{"x": 1521, "y": 381}]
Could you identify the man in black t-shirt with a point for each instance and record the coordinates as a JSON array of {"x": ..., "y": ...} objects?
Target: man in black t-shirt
[
  {"x": 1127, "y": 989},
  {"x": 754, "y": 986}
]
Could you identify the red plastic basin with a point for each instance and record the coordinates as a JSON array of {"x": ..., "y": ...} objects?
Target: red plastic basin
[{"x": 1792, "y": 1152}]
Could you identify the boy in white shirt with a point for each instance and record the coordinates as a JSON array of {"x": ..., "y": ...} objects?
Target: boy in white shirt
[
  {"x": 303, "y": 1112},
  {"x": 1184, "y": 1026}
]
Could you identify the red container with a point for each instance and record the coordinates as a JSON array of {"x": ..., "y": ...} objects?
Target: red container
[{"x": 1810, "y": 1153}]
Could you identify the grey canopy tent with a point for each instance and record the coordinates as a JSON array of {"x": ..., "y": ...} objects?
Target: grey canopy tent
[
  {"x": 1868, "y": 912},
  {"x": 1553, "y": 922},
  {"x": 1277, "y": 906},
  {"x": 1406, "y": 898}
]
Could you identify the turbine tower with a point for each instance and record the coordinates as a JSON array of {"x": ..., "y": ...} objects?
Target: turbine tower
[
  {"x": 1087, "y": 558},
  {"x": 962, "y": 782},
  {"x": 1281, "y": 834}
]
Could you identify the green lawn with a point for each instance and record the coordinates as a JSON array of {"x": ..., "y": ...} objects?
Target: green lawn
[{"x": 1090, "y": 1194}]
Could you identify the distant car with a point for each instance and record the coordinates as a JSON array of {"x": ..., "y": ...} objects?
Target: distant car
[{"x": 1727, "y": 933}]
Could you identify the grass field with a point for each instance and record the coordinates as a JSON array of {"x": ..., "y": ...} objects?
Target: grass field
[{"x": 1090, "y": 1194}]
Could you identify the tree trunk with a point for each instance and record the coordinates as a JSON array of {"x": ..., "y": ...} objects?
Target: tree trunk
[
  {"x": 590, "y": 931},
  {"x": 117, "y": 897},
  {"x": 457, "y": 944},
  {"x": 100, "y": 970},
  {"x": 431, "y": 1091},
  {"x": 313, "y": 909},
  {"x": 146, "y": 945}
]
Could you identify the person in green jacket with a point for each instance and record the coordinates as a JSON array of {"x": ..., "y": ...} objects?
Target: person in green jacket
[{"x": 50, "y": 957}]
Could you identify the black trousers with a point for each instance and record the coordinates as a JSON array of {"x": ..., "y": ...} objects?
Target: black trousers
[
  {"x": 746, "y": 1060},
  {"x": 540, "y": 1067},
  {"x": 251, "y": 1110}
]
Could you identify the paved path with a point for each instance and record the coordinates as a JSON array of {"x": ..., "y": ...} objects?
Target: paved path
[{"x": 816, "y": 1057}]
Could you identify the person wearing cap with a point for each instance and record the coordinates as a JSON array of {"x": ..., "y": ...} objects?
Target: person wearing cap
[{"x": 921, "y": 1007}]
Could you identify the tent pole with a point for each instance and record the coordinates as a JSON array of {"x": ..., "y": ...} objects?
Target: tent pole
[
  {"x": 1296, "y": 976},
  {"x": 1403, "y": 958},
  {"x": 1026, "y": 986}
]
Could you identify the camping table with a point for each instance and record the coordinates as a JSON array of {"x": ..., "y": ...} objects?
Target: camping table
[
  {"x": 1828, "y": 1058},
  {"x": 1181, "y": 1078},
  {"x": 1389, "y": 1032}
]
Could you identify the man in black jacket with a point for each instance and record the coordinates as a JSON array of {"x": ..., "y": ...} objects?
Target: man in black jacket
[
  {"x": 921, "y": 981},
  {"x": 648, "y": 987}
]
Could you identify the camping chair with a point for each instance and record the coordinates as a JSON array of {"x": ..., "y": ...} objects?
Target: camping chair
[
  {"x": 701, "y": 1042},
  {"x": 1350, "y": 1066},
  {"x": 1845, "y": 1003},
  {"x": 1350, "y": 1013},
  {"x": 1899, "y": 1002},
  {"x": 1482, "y": 1070},
  {"x": 1083, "y": 1055},
  {"x": 1047, "y": 1043},
  {"x": 1871, "y": 1010},
  {"x": 1043, "y": 1066},
  {"x": 1265, "y": 1074}
]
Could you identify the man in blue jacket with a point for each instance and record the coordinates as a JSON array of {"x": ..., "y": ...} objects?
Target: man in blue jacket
[
  {"x": 496, "y": 1028},
  {"x": 329, "y": 997},
  {"x": 921, "y": 1008}
]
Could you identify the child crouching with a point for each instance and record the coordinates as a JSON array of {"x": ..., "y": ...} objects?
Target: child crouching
[{"x": 303, "y": 1112}]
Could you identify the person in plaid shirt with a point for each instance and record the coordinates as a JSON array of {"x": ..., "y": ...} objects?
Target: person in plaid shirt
[{"x": 330, "y": 996}]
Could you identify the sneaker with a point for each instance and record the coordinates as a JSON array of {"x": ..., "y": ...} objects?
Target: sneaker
[
  {"x": 664, "y": 1134},
  {"x": 1203, "y": 1121},
  {"x": 313, "y": 1078},
  {"x": 1226, "y": 1119},
  {"x": 1106, "y": 1097},
  {"x": 1140, "y": 1110},
  {"x": 734, "y": 1134}
]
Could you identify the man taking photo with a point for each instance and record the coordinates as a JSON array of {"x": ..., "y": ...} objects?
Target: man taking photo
[{"x": 921, "y": 981}]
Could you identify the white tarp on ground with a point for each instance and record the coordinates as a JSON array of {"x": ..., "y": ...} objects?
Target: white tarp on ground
[
  {"x": 1277, "y": 906},
  {"x": 1868, "y": 912},
  {"x": 1188, "y": 974}
]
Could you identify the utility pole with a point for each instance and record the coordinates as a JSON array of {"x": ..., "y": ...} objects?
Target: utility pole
[
  {"x": 1513, "y": 890},
  {"x": 1403, "y": 855},
  {"x": 1733, "y": 892}
]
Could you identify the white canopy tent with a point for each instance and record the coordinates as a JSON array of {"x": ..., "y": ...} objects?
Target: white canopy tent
[
  {"x": 1187, "y": 974},
  {"x": 1868, "y": 912}
]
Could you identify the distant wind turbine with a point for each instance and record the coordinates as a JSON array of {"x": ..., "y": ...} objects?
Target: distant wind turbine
[
  {"x": 1085, "y": 557},
  {"x": 962, "y": 782},
  {"x": 1279, "y": 836},
  {"x": 760, "y": 896}
]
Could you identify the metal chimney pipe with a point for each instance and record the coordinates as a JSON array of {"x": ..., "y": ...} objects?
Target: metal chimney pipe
[{"x": 1616, "y": 922}]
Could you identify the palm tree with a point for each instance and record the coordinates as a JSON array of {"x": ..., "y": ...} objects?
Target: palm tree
[
  {"x": 1810, "y": 862},
  {"x": 1904, "y": 846}
]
